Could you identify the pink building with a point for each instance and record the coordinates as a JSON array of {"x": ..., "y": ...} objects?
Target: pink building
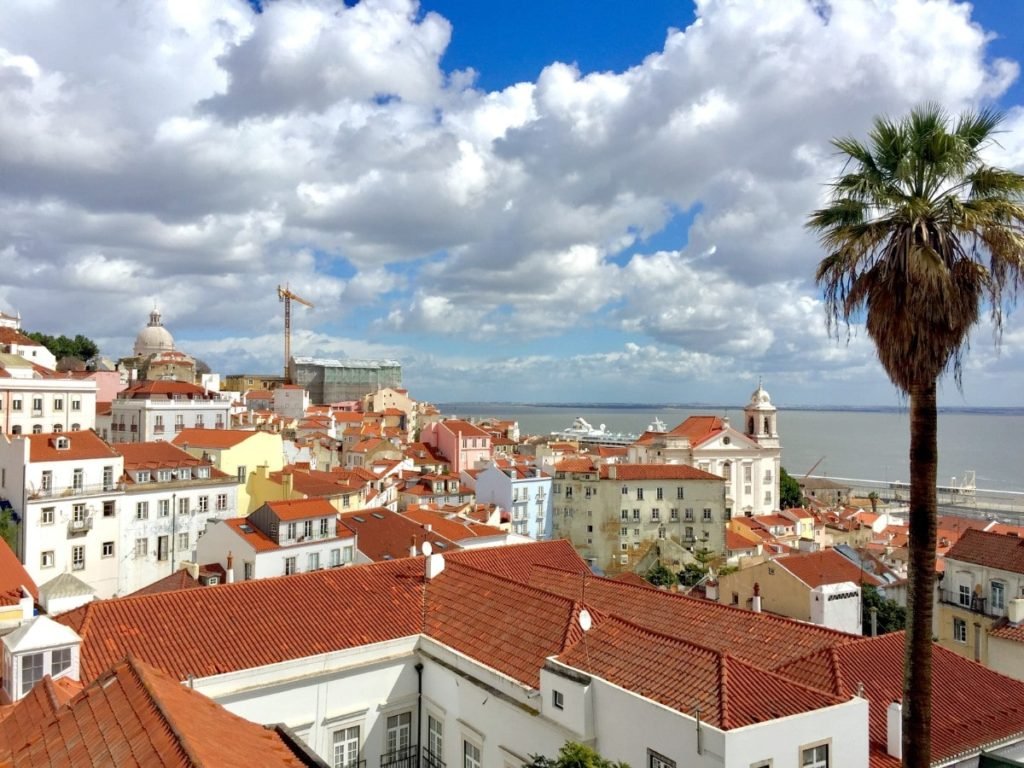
[{"x": 462, "y": 443}]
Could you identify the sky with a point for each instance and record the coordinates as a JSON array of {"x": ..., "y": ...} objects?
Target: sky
[{"x": 576, "y": 201}]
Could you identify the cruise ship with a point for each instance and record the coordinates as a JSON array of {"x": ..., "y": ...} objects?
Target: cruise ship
[{"x": 584, "y": 433}]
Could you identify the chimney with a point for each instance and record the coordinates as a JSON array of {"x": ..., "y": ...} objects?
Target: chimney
[
  {"x": 874, "y": 621},
  {"x": 412, "y": 546},
  {"x": 231, "y": 568},
  {"x": 711, "y": 590},
  {"x": 1015, "y": 611},
  {"x": 755, "y": 601},
  {"x": 287, "y": 484},
  {"x": 894, "y": 730},
  {"x": 435, "y": 564},
  {"x": 613, "y": 471}
]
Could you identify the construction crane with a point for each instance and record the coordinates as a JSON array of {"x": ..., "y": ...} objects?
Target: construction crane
[{"x": 283, "y": 294}]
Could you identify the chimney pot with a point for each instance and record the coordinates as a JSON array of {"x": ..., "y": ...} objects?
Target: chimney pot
[{"x": 894, "y": 730}]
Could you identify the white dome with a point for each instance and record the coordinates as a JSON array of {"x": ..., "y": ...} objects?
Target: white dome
[
  {"x": 153, "y": 338},
  {"x": 761, "y": 400}
]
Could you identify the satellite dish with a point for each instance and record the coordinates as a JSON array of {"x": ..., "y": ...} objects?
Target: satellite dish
[
  {"x": 585, "y": 621},
  {"x": 426, "y": 549}
]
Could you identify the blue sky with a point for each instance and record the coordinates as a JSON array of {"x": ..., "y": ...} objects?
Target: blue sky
[{"x": 530, "y": 201}]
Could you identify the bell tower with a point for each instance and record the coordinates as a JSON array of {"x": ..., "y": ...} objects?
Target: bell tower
[{"x": 760, "y": 419}]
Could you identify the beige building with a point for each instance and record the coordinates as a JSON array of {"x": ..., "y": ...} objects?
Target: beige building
[
  {"x": 980, "y": 601},
  {"x": 610, "y": 512}
]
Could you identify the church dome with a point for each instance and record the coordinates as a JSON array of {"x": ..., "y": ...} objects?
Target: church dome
[
  {"x": 760, "y": 399},
  {"x": 153, "y": 338}
]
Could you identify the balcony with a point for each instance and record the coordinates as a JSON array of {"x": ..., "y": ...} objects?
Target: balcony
[
  {"x": 976, "y": 603},
  {"x": 430, "y": 760},
  {"x": 80, "y": 527},
  {"x": 401, "y": 758},
  {"x": 96, "y": 489}
]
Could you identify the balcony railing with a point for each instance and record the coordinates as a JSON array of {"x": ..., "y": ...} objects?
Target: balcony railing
[
  {"x": 401, "y": 758},
  {"x": 75, "y": 490},
  {"x": 80, "y": 527},
  {"x": 973, "y": 603},
  {"x": 430, "y": 760}
]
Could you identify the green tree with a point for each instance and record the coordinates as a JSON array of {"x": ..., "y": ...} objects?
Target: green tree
[
  {"x": 890, "y": 616},
  {"x": 573, "y": 755},
  {"x": 660, "y": 576},
  {"x": 789, "y": 491},
  {"x": 8, "y": 530},
  {"x": 919, "y": 232},
  {"x": 61, "y": 346}
]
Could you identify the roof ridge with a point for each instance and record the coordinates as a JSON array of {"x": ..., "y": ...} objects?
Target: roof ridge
[
  {"x": 837, "y": 670},
  {"x": 724, "y": 699},
  {"x": 528, "y": 587},
  {"x": 180, "y": 740}
]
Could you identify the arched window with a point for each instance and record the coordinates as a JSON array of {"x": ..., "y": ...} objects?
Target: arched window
[
  {"x": 767, "y": 428},
  {"x": 750, "y": 425},
  {"x": 37, "y": 429},
  {"x": 16, "y": 429},
  {"x": 75, "y": 427},
  {"x": 58, "y": 427}
]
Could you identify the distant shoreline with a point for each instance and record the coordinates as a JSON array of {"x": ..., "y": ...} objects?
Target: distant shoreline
[{"x": 1008, "y": 411}]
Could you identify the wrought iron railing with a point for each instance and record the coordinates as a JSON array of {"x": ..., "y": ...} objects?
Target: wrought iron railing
[
  {"x": 430, "y": 760},
  {"x": 401, "y": 758},
  {"x": 973, "y": 603}
]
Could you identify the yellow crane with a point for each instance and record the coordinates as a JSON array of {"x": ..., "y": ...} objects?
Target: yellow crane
[{"x": 285, "y": 295}]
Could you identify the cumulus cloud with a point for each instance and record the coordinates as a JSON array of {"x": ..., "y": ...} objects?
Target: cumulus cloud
[{"x": 195, "y": 155}]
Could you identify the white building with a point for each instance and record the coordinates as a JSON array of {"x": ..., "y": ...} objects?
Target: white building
[
  {"x": 749, "y": 460},
  {"x": 278, "y": 539},
  {"x": 524, "y": 491},
  {"x": 483, "y": 658},
  {"x": 14, "y": 342},
  {"x": 169, "y": 497},
  {"x": 291, "y": 401},
  {"x": 66, "y": 491},
  {"x": 158, "y": 410},
  {"x": 34, "y": 401}
]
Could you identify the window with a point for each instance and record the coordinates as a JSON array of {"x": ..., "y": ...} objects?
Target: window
[
  {"x": 688, "y": 515},
  {"x": 313, "y": 561},
  {"x": 625, "y": 515},
  {"x": 625, "y": 490},
  {"x": 46, "y": 516},
  {"x": 37, "y": 405},
  {"x": 58, "y": 403},
  {"x": 707, "y": 515},
  {"x": 965, "y": 595},
  {"x": 998, "y": 595},
  {"x": 183, "y": 542},
  {"x": 78, "y": 557},
  {"x": 639, "y": 494},
  {"x": 163, "y": 507},
  {"x": 16, "y": 404},
  {"x": 164, "y": 475},
  {"x": 624, "y": 531},
  {"x": 142, "y": 510},
  {"x": 673, "y": 515},
  {"x": 76, "y": 404},
  {"x": 747, "y": 473},
  {"x": 470, "y": 755},
  {"x": 654, "y": 760},
  {"x": 398, "y": 734},
  {"x": 46, "y": 480},
  {"x": 183, "y": 506},
  {"x": 727, "y": 471},
  {"x": 624, "y": 547},
  {"x": 335, "y": 558},
  {"x": 162, "y": 547},
  {"x": 78, "y": 513},
  {"x": 324, "y": 526},
  {"x": 636, "y": 514},
  {"x": 37, "y": 429},
  {"x": 31, "y": 671},
  {"x": 435, "y": 737},
  {"x": 346, "y": 554},
  {"x": 242, "y": 473},
  {"x": 960, "y": 631},
  {"x": 689, "y": 532},
  {"x": 292, "y": 530},
  {"x": 143, "y": 477},
  {"x": 814, "y": 757},
  {"x": 289, "y": 566},
  {"x": 346, "y": 747},
  {"x": 307, "y": 528},
  {"x": 248, "y": 571},
  {"x": 108, "y": 509},
  {"x": 46, "y": 559},
  {"x": 222, "y": 502},
  {"x": 76, "y": 426},
  {"x": 108, "y": 478},
  {"x": 204, "y": 503},
  {"x": 557, "y": 700},
  {"x": 60, "y": 659},
  {"x": 655, "y": 515},
  {"x": 141, "y": 547}
]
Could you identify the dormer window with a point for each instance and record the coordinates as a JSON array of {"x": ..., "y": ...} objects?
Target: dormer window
[
  {"x": 164, "y": 475},
  {"x": 61, "y": 443},
  {"x": 143, "y": 476},
  {"x": 203, "y": 472}
]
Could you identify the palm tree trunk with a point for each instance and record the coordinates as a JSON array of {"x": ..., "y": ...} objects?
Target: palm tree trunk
[{"x": 917, "y": 679}]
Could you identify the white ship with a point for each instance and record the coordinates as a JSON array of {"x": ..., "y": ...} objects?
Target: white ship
[{"x": 583, "y": 432}]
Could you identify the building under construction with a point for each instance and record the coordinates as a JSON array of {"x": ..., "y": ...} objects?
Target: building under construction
[{"x": 331, "y": 381}]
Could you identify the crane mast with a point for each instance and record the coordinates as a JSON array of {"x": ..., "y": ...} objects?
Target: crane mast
[{"x": 286, "y": 296}]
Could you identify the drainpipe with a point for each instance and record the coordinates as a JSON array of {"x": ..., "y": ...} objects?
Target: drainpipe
[
  {"x": 419, "y": 705},
  {"x": 977, "y": 641},
  {"x": 874, "y": 621}
]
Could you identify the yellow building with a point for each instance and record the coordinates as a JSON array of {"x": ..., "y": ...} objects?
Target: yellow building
[
  {"x": 237, "y": 452},
  {"x": 242, "y": 382},
  {"x": 344, "y": 492},
  {"x": 980, "y": 601}
]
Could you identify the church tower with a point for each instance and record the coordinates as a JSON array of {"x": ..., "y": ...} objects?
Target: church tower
[{"x": 760, "y": 419}]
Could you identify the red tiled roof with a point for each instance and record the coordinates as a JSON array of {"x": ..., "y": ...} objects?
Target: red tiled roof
[
  {"x": 159, "y": 455},
  {"x": 735, "y": 541},
  {"x": 992, "y": 550},
  {"x": 385, "y": 535},
  {"x": 14, "y": 336},
  {"x": 13, "y": 574},
  {"x": 1004, "y": 630},
  {"x": 459, "y": 426},
  {"x": 180, "y": 579},
  {"x": 81, "y": 445},
  {"x": 135, "y": 715},
  {"x": 455, "y": 529},
  {"x": 162, "y": 389},
  {"x": 252, "y": 535},
  {"x": 24, "y": 717},
  {"x": 682, "y": 675},
  {"x": 959, "y": 722},
  {"x": 825, "y": 567},
  {"x": 301, "y": 509},
  {"x": 697, "y": 429},
  {"x": 212, "y": 438},
  {"x": 655, "y": 472},
  {"x": 574, "y": 465},
  {"x": 628, "y": 577}
]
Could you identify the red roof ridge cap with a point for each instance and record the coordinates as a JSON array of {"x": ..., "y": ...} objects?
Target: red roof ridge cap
[
  {"x": 723, "y": 690},
  {"x": 142, "y": 677},
  {"x": 837, "y": 670},
  {"x": 489, "y": 574}
]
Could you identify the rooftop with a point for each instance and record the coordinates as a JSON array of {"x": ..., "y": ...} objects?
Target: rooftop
[{"x": 992, "y": 550}]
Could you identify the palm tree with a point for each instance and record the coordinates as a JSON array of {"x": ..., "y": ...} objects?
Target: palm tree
[{"x": 919, "y": 232}]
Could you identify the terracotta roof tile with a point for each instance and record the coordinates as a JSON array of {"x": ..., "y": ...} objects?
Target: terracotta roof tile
[
  {"x": 826, "y": 567},
  {"x": 81, "y": 445},
  {"x": 992, "y": 550},
  {"x": 13, "y": 575},
  {"x": 574, "y": 465},
  {"x": 212, "y": 438},
  {"x": 385, "y": 535},
  {"x": 697, "y": 429},
  {"x": 453, "y": 529},
  {"x": 656, "y": 472},
  {"x": 301, "y": 509}
]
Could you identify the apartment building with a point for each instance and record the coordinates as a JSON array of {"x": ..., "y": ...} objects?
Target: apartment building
[
  {"x": 34, "y": 400},
  {"x": 979, "y": 610},
  {"x": 524, "y": 491},
  {"x": 465, "y": 445},
  {"x": 169, "y": 495},
  {"x": 160, "y": 410},
  {"x": 611, "y": 510},
  {"x": 66, "y": 493}
]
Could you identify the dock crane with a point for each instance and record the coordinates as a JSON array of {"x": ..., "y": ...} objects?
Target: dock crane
[{"x": 286, "y": 296}]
